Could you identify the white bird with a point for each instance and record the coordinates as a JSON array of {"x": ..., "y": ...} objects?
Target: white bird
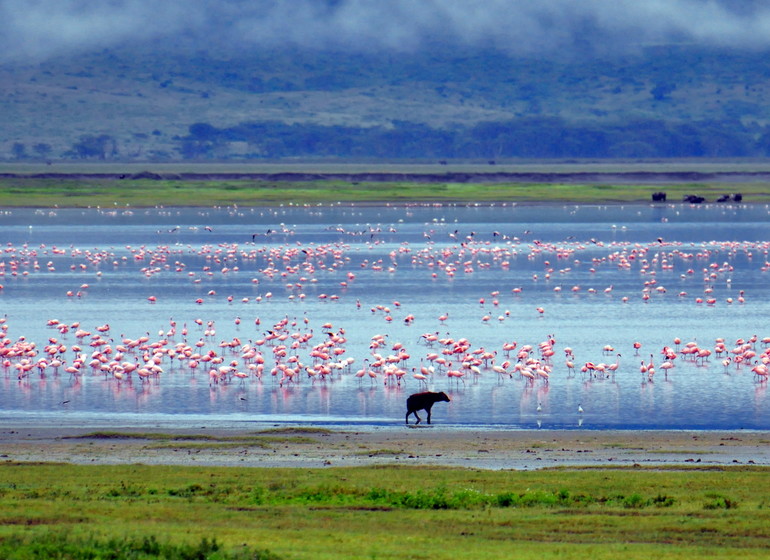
[
  {"x": 580, "y": 409},
  {"x": 539, "y": 407}
]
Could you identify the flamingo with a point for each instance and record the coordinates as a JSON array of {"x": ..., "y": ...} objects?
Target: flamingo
[
  {"x": 703, "y": 354},
  {"x": 456, "y": 374},
  {"x": 500, "y": 370},
  {"x": 761, "y": 372},
  {"x": 421, "y": 377},
  {"x": 526, "y": 372},
  {"x": 665, "y": 366}
]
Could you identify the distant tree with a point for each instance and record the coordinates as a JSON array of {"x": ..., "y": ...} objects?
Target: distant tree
[
  {"x": 19, "y": 150},
  {"x": 195, "y": 149},
  {"x": 662, "y": 90},
  {"x": 201, "y": 141},
  {"x": 43, "y": 150},
  {"x": 102, "y": 147},
  {"x": 203, "y": 131}
]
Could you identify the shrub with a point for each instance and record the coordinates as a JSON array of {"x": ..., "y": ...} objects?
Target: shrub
[
  {"x": 719, "y": 502},
  {"x": 633, "y": 501},
  {"x": 59, "y": 545}
]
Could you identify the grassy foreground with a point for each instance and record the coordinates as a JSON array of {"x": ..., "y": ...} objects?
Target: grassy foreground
[
  {"x": 100, "y": 192},
  {"x": 138, "y": 511}
]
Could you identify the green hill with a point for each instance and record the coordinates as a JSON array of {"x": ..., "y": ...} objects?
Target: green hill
[{"x": 155, "y": 102}]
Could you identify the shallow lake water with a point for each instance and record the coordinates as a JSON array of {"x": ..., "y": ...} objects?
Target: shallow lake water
[{"x": 214, "y": 284}]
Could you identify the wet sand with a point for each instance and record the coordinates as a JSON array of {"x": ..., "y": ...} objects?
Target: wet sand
[{"x": 429, "y": 445}]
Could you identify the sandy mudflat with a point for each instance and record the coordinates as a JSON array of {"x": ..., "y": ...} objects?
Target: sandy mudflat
[{"x": 486, "y": 449}]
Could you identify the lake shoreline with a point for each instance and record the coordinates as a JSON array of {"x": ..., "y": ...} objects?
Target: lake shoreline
[
  {"x": 414, "y": 446},
  {"x": 116, "y": 186}
]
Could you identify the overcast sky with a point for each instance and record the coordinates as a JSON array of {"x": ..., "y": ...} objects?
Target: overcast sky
[{"x": 38, "y": 29}]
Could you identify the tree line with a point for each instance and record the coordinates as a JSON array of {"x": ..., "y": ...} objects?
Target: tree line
[
  {"x": 535, "y": 137},
  {"x": 531, "y": 137}
]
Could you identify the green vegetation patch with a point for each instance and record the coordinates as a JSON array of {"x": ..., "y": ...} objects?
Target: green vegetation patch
[
  {"x": 113, "y": 193},
  {"x": 384, "y": 511},
  {"x": 60, "y": 545}
]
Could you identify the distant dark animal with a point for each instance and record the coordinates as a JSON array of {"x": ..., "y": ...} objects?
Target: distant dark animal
[
  {"x": 423, "y": 401},
  {"x": 724, "y": 198},
  {"x": 693, "y": 199},
  {"x": 659, "y": 196},
  {"x": 737, "y": 197}
]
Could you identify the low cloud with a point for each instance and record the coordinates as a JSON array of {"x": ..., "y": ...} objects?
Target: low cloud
[{"x": 38, "y": 29}]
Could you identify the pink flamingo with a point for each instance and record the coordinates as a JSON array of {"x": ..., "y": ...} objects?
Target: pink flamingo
[
  {"x": 726, "y": 363},
  {"x": 570, "y": 366},
  {"x": 761, "y": 372},
  {"x": 421, "y": 377},
  {"x": 665, "y": 366}
]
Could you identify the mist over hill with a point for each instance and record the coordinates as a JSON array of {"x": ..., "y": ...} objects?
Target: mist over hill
[{"x": 441, "y": 79}]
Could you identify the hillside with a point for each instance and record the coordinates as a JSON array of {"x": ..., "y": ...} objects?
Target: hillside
[{"x": 157, "y": 102}]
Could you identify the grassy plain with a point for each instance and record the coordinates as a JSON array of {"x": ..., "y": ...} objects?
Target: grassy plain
[
  {"x": 385, "y": 512},
  {"x": 105, "y": 193},
  {"x": 109, "y": 184}
]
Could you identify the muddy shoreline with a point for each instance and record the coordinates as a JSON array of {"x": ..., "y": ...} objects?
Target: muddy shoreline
[{"x": 436, "y": 446}]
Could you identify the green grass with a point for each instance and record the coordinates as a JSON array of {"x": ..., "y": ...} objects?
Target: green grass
[
  {"x": 108, "y": 193},
  {"x": 61, "y": 545},
  {"x": 383, "y": 512}
]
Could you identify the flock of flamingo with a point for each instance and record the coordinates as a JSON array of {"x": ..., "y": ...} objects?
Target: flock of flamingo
[
  {"x": 288, "y": 354},
  {"x": 306, "y": 346}
]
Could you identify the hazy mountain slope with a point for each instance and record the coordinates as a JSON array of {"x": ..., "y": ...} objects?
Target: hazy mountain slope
[{"x": 146, "y": 96}]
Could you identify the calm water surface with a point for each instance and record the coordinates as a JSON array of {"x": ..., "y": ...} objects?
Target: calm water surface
[{"x": 603, "y": 277}]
